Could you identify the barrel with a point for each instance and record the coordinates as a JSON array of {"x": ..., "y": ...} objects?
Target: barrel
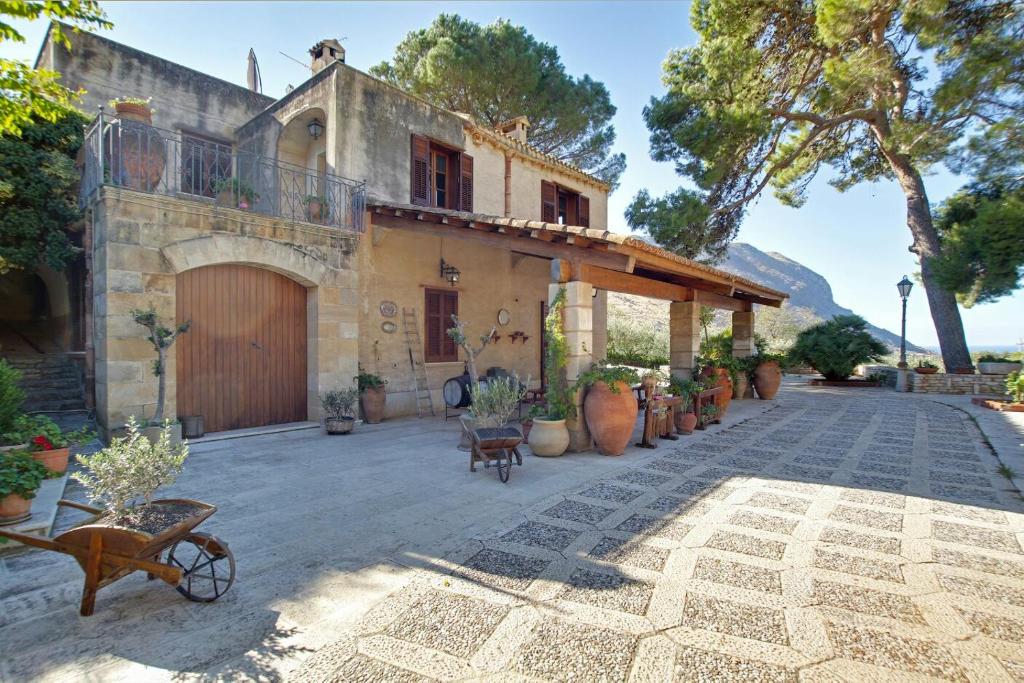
[{"x": 456, "y": 392}]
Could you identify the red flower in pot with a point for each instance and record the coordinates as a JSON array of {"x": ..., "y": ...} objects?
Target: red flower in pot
[{"x": 41, "y": 443}]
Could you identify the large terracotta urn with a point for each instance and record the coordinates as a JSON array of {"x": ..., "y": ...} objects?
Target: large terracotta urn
[
  {"x": 372, "y": 402},
  {"x": 137, "y": 152},
  {"x": 742, "y": 385},
  {"x": 14, "y": 508},
  {"x": 767, "y": 378},
  {"x": 724, "y": 397},
  {"x": 55, "y": 460},
  {"x": 548, "y": 438},
  {"x": 611, "y": 416}
]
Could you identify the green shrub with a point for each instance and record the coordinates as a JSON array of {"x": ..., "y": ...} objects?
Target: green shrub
[
  {"x": 637, "y": 346},
  {"x": 340, "y": 403},
  {"x": 366, "y": 380},
  {"x": 835, "y": 347},
  {"x": 1015, "y": 386},
  {"x": 11, "y": 396},
  {"x": 559, "y": 395},
  {"x": 609, "y": 374},
  {"x": 20, "y": 474}
]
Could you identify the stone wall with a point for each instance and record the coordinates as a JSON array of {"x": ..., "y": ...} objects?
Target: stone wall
[
  {"x": 942, "y": 383},
  {"x": 142, "y": 241}
]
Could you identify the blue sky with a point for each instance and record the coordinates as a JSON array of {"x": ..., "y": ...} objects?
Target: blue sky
[{"x": 857, "y": 240}]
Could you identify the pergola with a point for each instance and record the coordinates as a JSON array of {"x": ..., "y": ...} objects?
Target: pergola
[{"x": 585, "y": 259}]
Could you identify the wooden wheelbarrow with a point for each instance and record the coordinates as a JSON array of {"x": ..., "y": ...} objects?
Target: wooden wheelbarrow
[
  {"x": 200, "y": 566},
  {"x": 497, "y": 445}
]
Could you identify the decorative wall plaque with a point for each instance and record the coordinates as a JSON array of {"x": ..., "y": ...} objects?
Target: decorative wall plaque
[
  {"x": 388, "y": 327},
  {"x": 388, "y": 309},
  {"x": 504, "y": 317}
]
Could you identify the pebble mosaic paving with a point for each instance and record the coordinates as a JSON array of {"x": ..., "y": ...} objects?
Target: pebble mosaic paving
[{"x": 837, "y": 536}]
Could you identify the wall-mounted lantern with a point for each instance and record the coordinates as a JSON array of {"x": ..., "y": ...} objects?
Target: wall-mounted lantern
[
  {"x": 315, "y": 128},
  {"x": 450, "y": 273}
]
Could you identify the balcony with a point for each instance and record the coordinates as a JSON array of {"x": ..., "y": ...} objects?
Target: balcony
[{"x": 147, "y": 159}]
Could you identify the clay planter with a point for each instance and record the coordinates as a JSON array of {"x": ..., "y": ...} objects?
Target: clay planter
[
  {"x": 686, "y": 422},
  {"x": 926, "y": 371},
  {"x": 767, "y": 378},
  {"x": 226, "y": 198},
  {"x": 526, "y": 425},
  {"x": 130, "y": 111},
  {"x": 341, "y": 425},
  {"x": 741, "y": 387},
  {"x": 372, "y": 402},
  {"x": 723, "y": 398},
  {"x": 138, "y": 154},
  {"x": 14, "y": 509},
  {"x": 314, "y": 211},
  {"x": 998, "y": 368},
  {"x": 1005, "y": 406},
  {"x": 548, "y": 438},
  {"x": 55, "y": 460},
  {"x": 611, "y": 416}
]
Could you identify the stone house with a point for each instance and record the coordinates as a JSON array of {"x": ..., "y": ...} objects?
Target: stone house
[{"x": 336, "y": 227}]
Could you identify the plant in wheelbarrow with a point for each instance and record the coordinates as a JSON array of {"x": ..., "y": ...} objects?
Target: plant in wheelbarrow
[
  {"x": 339, "y": 410},
  {"x": 493, "y": 438}
]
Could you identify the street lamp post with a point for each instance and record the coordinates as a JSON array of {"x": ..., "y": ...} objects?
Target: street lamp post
[{"x": 904, "y": 286}]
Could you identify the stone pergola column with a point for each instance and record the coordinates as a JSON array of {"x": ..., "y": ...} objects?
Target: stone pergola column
[
  {"x": 578, "y": 323},
  {"x": 600, "y": 348},
  {"x": 742, "y": 334},
  {"x": 684, "y": 337}
]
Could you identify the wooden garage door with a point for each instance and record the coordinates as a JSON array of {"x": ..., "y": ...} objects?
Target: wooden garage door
[{"x": 243, "y": 362}]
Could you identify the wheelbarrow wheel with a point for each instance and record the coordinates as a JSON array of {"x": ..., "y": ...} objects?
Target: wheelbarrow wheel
[
  {"x": 505, "y": 467},
  {"x": 207, "y": 565}
]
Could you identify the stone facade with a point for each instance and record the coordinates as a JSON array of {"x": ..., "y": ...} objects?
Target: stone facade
[{"x": 942, "y": 383}]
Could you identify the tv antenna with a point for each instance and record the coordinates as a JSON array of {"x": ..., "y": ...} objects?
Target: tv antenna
[{"x": 302, "y": 64}]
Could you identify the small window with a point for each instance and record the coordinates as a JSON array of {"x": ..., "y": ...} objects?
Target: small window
[
  {"x": 441, "y": 176},
  {"x": 563, "y": 206},
  {"x": 440, "y": 306},
  {"x": 440, "y": 164}
]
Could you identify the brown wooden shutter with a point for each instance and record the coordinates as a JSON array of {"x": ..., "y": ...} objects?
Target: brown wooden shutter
[
  {"x": 420, "y": 180},
  {"x": 548, "y": 202},
  {"x": 583, "y": 212},
  {"x": 433, "y": 325},
  {"x": 465, "y": 182},
  {"x": 451, "y": 307}
]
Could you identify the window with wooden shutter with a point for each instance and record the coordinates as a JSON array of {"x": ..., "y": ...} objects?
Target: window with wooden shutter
[
  {"x": 465, "y": 182},
  {"x": 420, "y": 180},
  {"x": 548, "y": 199},
  {"x": 583, "y": 213},
  {"x": 440, "y": 306}
]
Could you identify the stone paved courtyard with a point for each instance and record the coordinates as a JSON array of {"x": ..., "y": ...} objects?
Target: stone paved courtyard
[{"x": 832, "y": 535}]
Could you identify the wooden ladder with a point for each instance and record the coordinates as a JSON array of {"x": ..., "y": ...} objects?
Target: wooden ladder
[{"x": 424, "y": 403}]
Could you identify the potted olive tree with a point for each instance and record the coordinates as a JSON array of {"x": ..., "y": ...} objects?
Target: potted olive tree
[
  {"x": 339, "y": 410},
  {"x": 162, "y": 338},
  {"x": 21, "y": 477}
]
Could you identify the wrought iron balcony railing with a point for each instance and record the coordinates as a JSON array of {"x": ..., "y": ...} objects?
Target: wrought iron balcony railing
[{"x": 141, "y": 157}]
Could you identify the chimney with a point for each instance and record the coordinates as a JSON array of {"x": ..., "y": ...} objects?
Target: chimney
[
  {"x": 515, "y": 128},
  {"x": 325, "y": 53}
]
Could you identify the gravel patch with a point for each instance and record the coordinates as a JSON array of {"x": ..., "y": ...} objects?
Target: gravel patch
[
  {"x": 630, "y": 553},
  {"x": 617, "y": 494},
  {"x": 742, "y": 464},
  {"x": 976, "y": 536},
  {"x": 641, "y": 478},
  {"x": 735, "y": 618},
  {"x": 979, "y": 563},
  {"x": 887, "y": 500},
  {"x": 562, "y": 650},
  {"x": 774, "y": 501},
  {"x": 975, "y": 480},
  {"x": 858, "y": 566},
  {"x": 965, "y": 495},
  {"x": 506, "y": 571},
  {"x": 818, "y": 461},
  {"x": 969, "y": 512},
  {"x": 986, "y": 590},
  {"x": 448, "y": 622},
  {"x": 704, "y": 489},
  {"x": 894, "y": 652},
  {"x": 995, "y": 626},
  {"x": 867, "y": 601},
  {"x": 357, "y": 669},
  {"x": 883, "y": 468},
  {"x": 797, "y": 486},
  {"x": 578, "y": 512},
  {"x": 738, "y": 574},
  {"x": 655, "y": 526},
  {"x": 693, "y": 664},
  {"x": 853, "y": 539},
  {"x": 669, "y": 466},
  {"x": 541, "y": 535},
  {"x": 956, "y": 465},
  {"x": 878, "y": 482},
  {"x": 608, "y": 591},
  {"x": 669, "y": 504},
  {"x": 764, "y": 522},
  {"x": 889, "y": 521},
  {"x": 719, "y": 474},
  {"x": 747, "y": 545},
  {"x": 804, "y": 472},
  {"x": 888, "y": 456}
]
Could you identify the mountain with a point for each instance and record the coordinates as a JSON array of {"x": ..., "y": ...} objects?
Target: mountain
[{"x": 810, "y": 298}]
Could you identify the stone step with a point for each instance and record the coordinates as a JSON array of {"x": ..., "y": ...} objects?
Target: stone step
[
  {"x": 51, "y": 382},
  {"x": 53, "y": 406}
]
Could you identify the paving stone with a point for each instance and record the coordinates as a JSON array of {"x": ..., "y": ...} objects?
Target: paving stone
[
  {"x": 867, "y": 601},
  {"x": 979, "y": 588},
  {"x": 563, "y": 650},
  {"x": 631, "y": 553},
  {"x": 358, "y": 669},
  {"x": 578, "y": 512},
  {"x": 737, "y": 574},
  {"x": 818, "y": 461},
  {"x": 974, "y": 480},
  {"x": 735, "y": 618},
  {"x": 957, "y": 465},
  {"x": 779, "y": 502},
  {"x": 448, "y": 622},
  {"x": 541, "y": 535},
  {"x": 965, "y": 495},
  {"x": 742, "y": 464},
  {"x": 980, "y": 563},
  {"x": 641, "y": 478},
  {"x": 888, "y": 500},
  {"x": 894, "y": 652},
  {"x": 747, "y": 545},
  {"x": 854, "y": 539},
  {"x": 859, "y": 566},
  {"x": 994, "y": 625},
  {"x": 804, "y": 472},
  {"x": 655, "y": 526},
  {"x": 669, "y": 466},
  {"x": 718, "y": 474},
  {"x": 976, "y": 514},
  {"x": 502, "y": 570},
  {"x": 883, "y": 468},
  {"x": 797, "y": 486},
  {"x": 694, "y": 664},
  {"x": 669, "y": 504},
  {"x": 608, "y": 591},
  {"x": 976, "y": 536},
  {"x": 878, "y": 482},
  {"x": 617, "y": 494},
  {"x": 704, "y": 489},
  {"x": 889, "y": 521},
  {"x": 763, "y": 522},
  {"x": 888, "y": 457}
]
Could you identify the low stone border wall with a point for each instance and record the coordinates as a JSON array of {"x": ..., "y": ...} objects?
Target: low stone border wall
[{"x": 942, "y": 383}]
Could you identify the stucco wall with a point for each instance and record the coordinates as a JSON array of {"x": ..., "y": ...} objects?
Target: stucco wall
[
  {"x": 526, "y": 180},
  {"x": 142, "y": 241},
  {"x": 403, "y": 264},
  {"x": 182, "y": 98}
]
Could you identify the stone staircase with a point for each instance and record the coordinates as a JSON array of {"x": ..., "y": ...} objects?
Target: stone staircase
[{"x": 51, "y": 381}]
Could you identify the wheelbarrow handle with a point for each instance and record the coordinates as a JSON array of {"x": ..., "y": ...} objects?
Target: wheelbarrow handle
[{"x": 79, "y": 506}]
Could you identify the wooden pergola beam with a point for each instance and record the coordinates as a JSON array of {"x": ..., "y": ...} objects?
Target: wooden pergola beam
[{"x": 615, "y": 281}]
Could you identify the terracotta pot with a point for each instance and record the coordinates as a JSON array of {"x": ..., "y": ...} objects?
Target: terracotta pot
[
  {"x": 527, "y": 425},
  {"x": 341, "y": 425},
  {"x": 55, "y": 460},
  {"x": 14, "y": 509},
  {"x": 741, "y": 386},
  {"x": 767, "y": 378},
  {"x": 548, "y": 438},
  {"x": 722, "y": 399},
  {"x": 611, "y": 416},
  {"x": 226, "y": 198},
  {"x": 314, "y": 211},
  {"x": 137, "y": 152},
  {"x": 686, "y": 422},
  {"x": 926, "y": 371},
  {"x": 134, "y": 112},
  {"x": 372, "y": 402}
]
